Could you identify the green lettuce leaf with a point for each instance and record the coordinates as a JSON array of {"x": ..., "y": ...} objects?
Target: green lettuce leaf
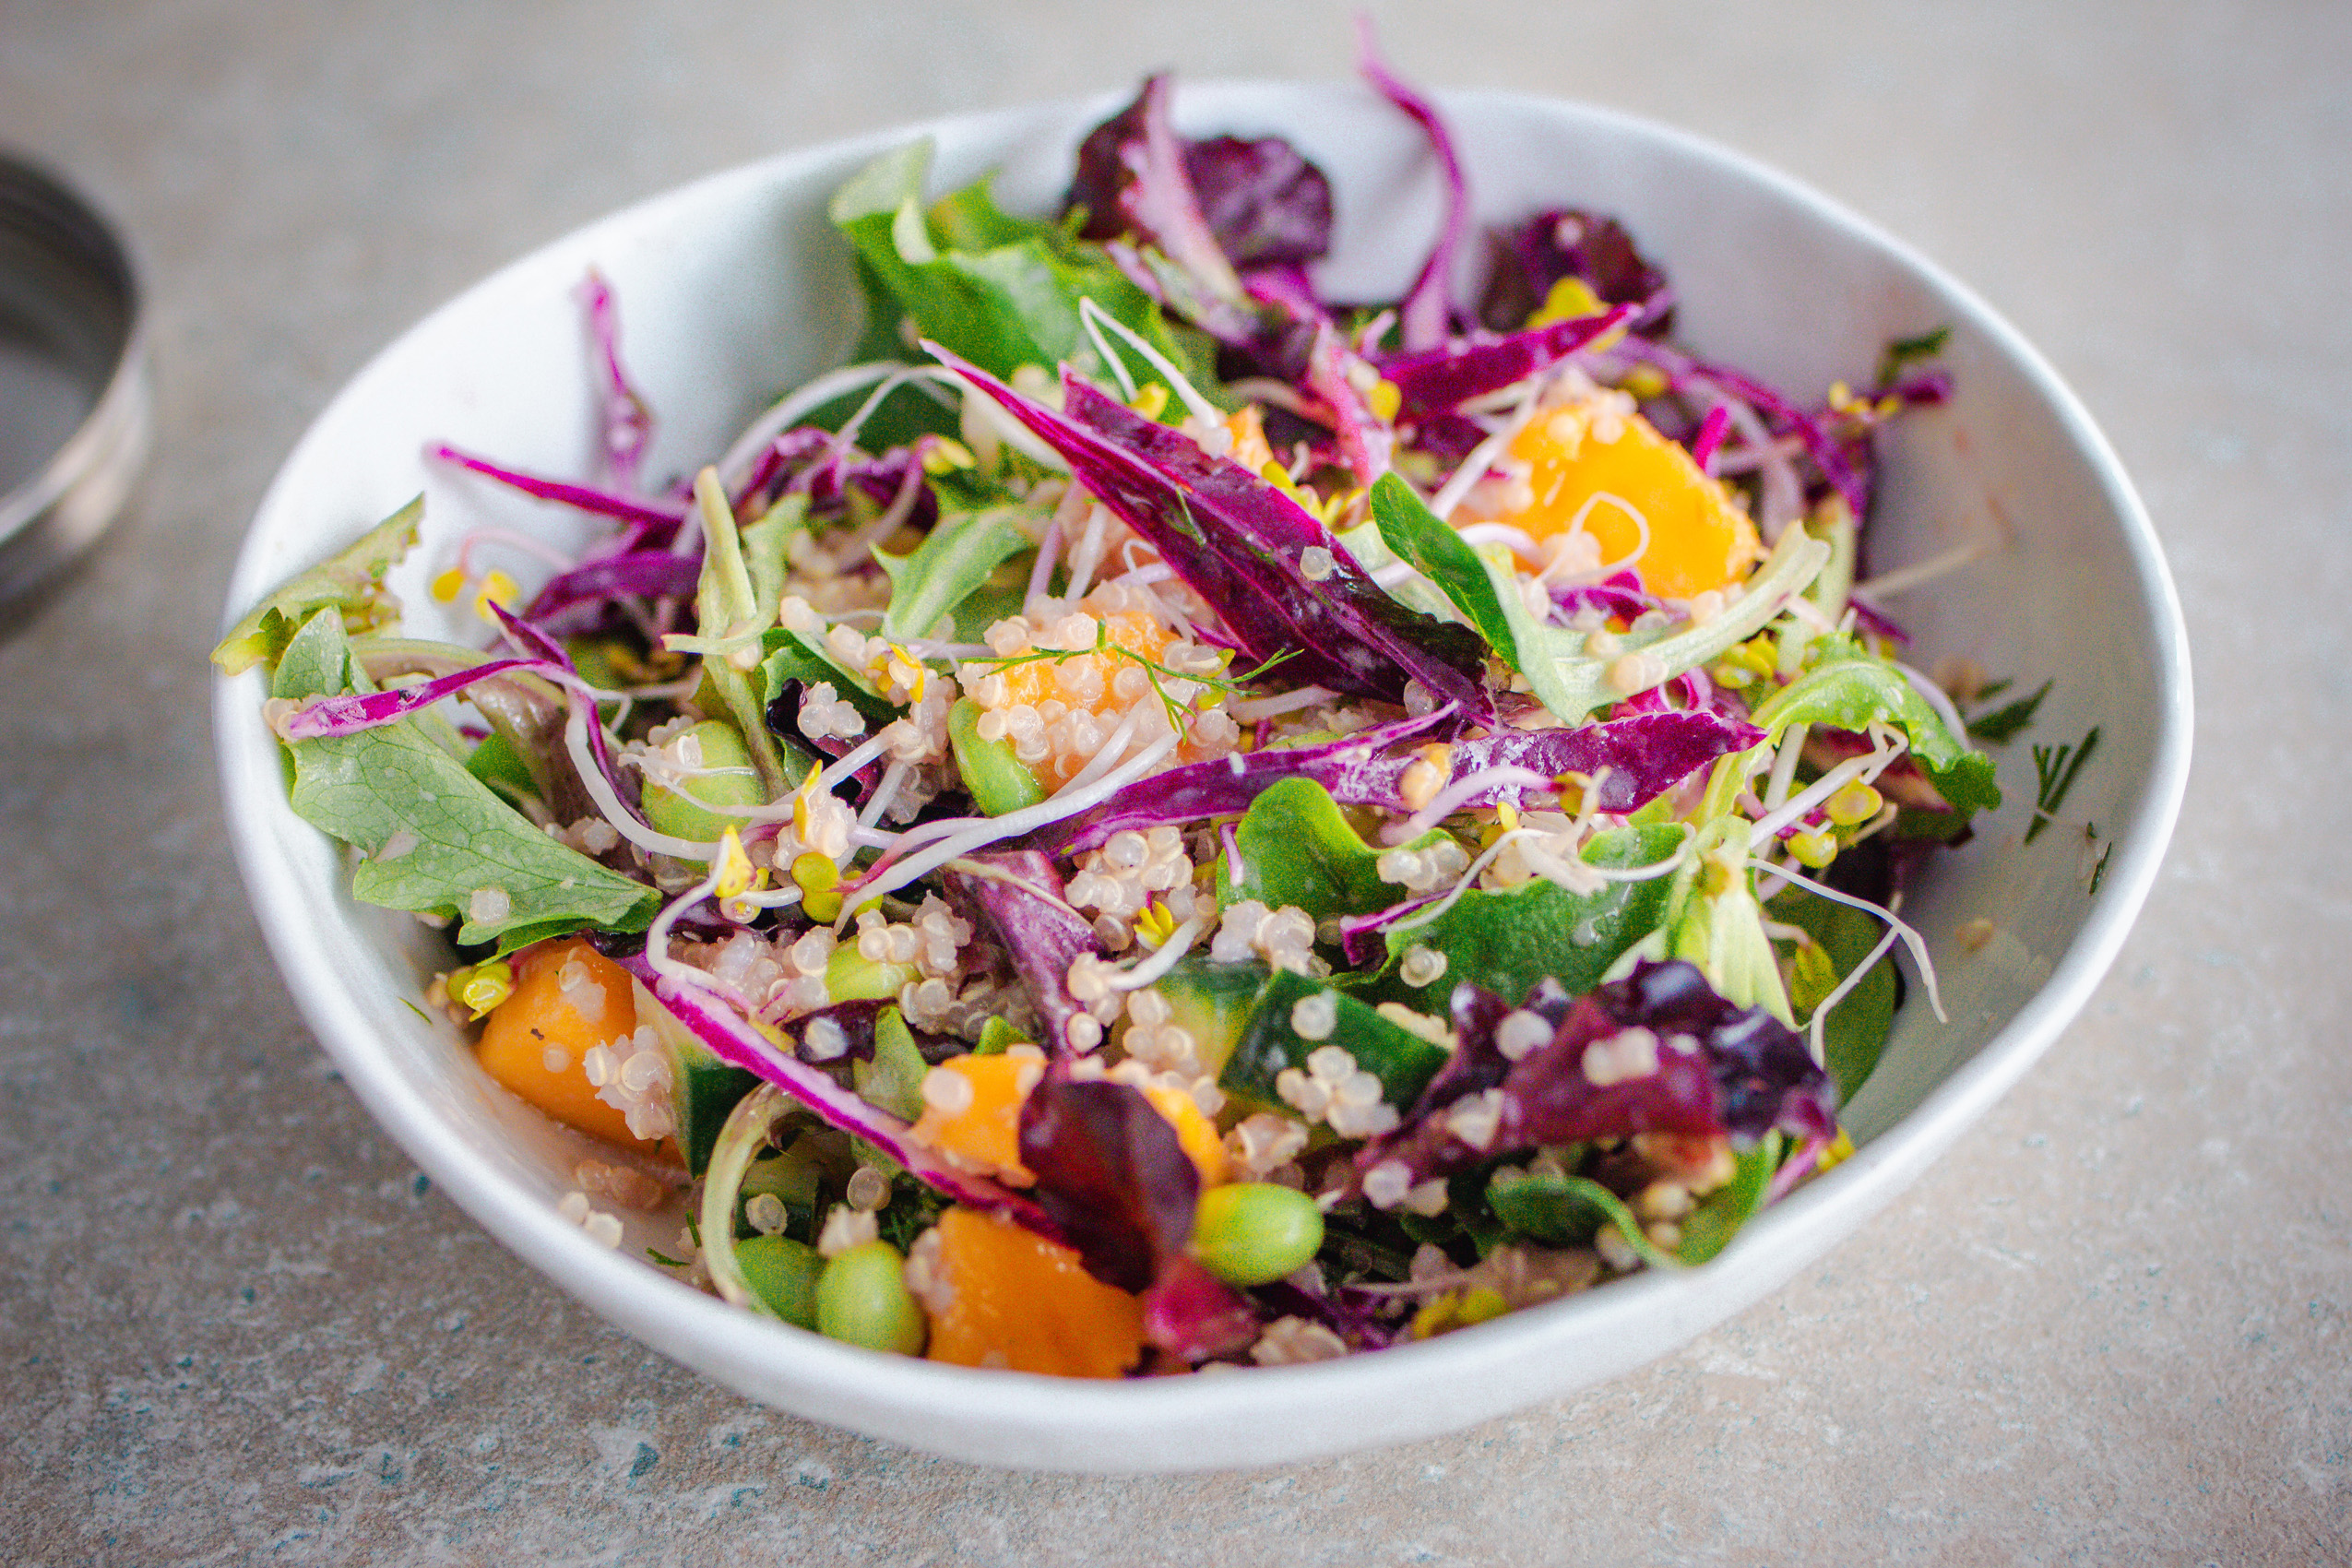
[
  {"x": 1849, "y": 688},
  {"x": 1000, "y": 291},
  {"x": 1298, "y": 847},
  {"x": 351, "y": 582},
  {"x": 950, "y": 565},
  {"x": 434, "y": 836}
]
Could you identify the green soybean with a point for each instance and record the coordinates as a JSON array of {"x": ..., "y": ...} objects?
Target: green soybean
[
  {"x": 683, "y": 813},
  {"x": 863, "y": 1299},
  {"x": 1000, "y": 782},
  {"x": 783, "y": 1273},
  {"x": 1255, "y": 1232}
]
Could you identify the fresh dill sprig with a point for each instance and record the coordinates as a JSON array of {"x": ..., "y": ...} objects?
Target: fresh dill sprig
[
  {"x": 1233, "y": 685},
  {"x": 2003, "y": 723},
  {"x": 2056, "y": 768}
]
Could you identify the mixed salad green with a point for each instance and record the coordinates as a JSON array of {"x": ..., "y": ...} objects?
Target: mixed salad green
[{"x": 1159, "y": 819}]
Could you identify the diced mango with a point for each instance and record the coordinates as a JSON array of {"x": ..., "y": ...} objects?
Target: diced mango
[
  {"x": 1001, "y": 1296},
  {"x": 1698, "y": 538},
  {"x": 535, "y": 1042},
  {"x": 983, "y": 1128}
]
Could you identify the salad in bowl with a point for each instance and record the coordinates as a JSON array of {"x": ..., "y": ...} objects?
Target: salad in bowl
[{"x": 1163, "y": 817}]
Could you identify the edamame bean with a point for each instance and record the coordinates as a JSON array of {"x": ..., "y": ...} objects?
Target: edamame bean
[
  {"x": 783, "y": 1273},
  {"x": 863, "y": 1299},
  {"x": 683, "y": 813},
  {"x": 1255, "y": 1232}
]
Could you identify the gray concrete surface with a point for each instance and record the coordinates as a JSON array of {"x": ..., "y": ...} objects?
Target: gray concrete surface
[{"x": 2112, "y": 1326}]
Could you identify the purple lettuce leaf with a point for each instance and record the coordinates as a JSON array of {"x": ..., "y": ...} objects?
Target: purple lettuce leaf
[
  {"x": 1133, "y": 179},
  {"x": 1020, "y": 900},
  {"x": 1646, "y": 755},
  {"x": 1264, "y": 202},
  {"x": 1115, "y": 1182},
  {"x": 735, "y": 1041},
  {"x": 1355, "y": 1319},
  {"x": 1716, "y": 1070},
  {"x": 1238, "y": 541},
  {"x": 1530, "y": 257},
  {"x": 1441, "y": 379},
  {"x": 628, "y": 420},
  {"x": 1426, "y": 314}
]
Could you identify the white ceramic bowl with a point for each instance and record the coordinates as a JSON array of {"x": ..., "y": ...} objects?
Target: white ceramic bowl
[{"x": 734, "y": 287}]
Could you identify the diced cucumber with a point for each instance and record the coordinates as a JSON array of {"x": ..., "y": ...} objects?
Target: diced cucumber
[
  {"x": 1270, "y": 1041},
  {"x": 703, "y": 1089},
  {"x": 1000, "y": 782},
  {"x": 1212, "y": 1003}
]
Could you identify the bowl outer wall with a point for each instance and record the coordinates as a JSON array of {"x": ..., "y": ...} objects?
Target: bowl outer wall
[{"x": 350, "y": 969}]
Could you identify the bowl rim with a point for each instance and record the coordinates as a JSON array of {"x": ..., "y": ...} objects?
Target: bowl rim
[{"x": 1068, "y": 1421}]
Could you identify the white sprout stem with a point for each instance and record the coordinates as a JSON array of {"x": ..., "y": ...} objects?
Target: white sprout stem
[
  {"x": 1249, "y": 710},
  {"x": 1145, "y": 576},
  {"x": 847, "y": 434},
  {"x": 1197, "y": 406},
  {"x": 539, "y": 550},
  {"x": 851, "y": 761},
  {"x": 1266, "y": 389},
  {"x": 1499, "y": 533},
  {"x": 1446, "y": 802},
  {"x": 1111, "y": 357},
  {"x": 902, "y": 505},
  {"x": 1420, "y": 918},
  {"x": 1933, "y": 695},
  {"x": 1012, "y": 825},
  {"x": 1087, "y": 555},
  {"x": 1481, "y": 457},
  {"x": 625, "y": 821},
  {"x": 1784, "y": 765},
  {"x": 1180, "y": 942},
  {"x": 1815, "y": 1032},
  {"x": 1107, "y": 753},
  {"x": 1640, "y": 524},
  {"x": 737, "y": 463},
  {"x": 891, "y": 778},
  {"x": 1049, "y": 550},
  {"x": 656, "y": 943},
  {"x": 1911, "y": 938},
  {"x": 1886, "y": 584},
  {"x": 1865, "y": 768}
]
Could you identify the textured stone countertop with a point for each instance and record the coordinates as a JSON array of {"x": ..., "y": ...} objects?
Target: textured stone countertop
[{"x": 2111, "y": 1325}]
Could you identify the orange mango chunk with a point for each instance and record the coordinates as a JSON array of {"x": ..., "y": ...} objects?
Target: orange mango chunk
[
  {"x": 536, "y": 1040},
  {"x": 972, "y": 1112},
  {"x": 1001, "y": 1296},
  {"x": 1699, "y": 540}
]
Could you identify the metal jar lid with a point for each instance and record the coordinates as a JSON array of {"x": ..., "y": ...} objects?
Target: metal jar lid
[{"x": 76, "y": 412}]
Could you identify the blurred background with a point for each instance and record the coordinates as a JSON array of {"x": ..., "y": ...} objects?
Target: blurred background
[{"x": 236, "y": 1323}]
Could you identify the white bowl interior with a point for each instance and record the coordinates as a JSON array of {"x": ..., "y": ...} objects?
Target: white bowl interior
[{"x": 734, "y": 288}]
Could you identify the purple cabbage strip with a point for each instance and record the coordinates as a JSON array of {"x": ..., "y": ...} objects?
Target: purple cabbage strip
[
  {"x": 1620, "y": 593},
  {"x": 531, "y": 640},
  {"x": 1837, "y": 467},
  {"x": 647, "y": 574},
  {"x": 655, "y": 514},
  {"x": 353, "y": 711},
  {"x": 1719, "y": 1070},
  {"x": 1645, "y": 756},
  {"x": 1877, "y": 623},
  {"x": 1427, "y": 313},
  {"x": 628, "y": 420},
  {"x": 1226, "y": 786},
  {"x": 1441, "y": 379},
  {"x": 738, "y": 1042},
  {"x": 1530, "y": 257},
  {"x": 1024, "y": 909},
  {"x": 1710, "y": 437},
  {"x": 1354, "y": 1322},
  {"x": 1238, "y": 542}
]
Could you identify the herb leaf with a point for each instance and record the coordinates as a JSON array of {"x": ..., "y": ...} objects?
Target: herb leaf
[
  {"x": 2003, "y": 723},
  {"x": 2056, "y": 768},
  {"x": 435, "y": 836},
  {"x": 351, "y": 582}
]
